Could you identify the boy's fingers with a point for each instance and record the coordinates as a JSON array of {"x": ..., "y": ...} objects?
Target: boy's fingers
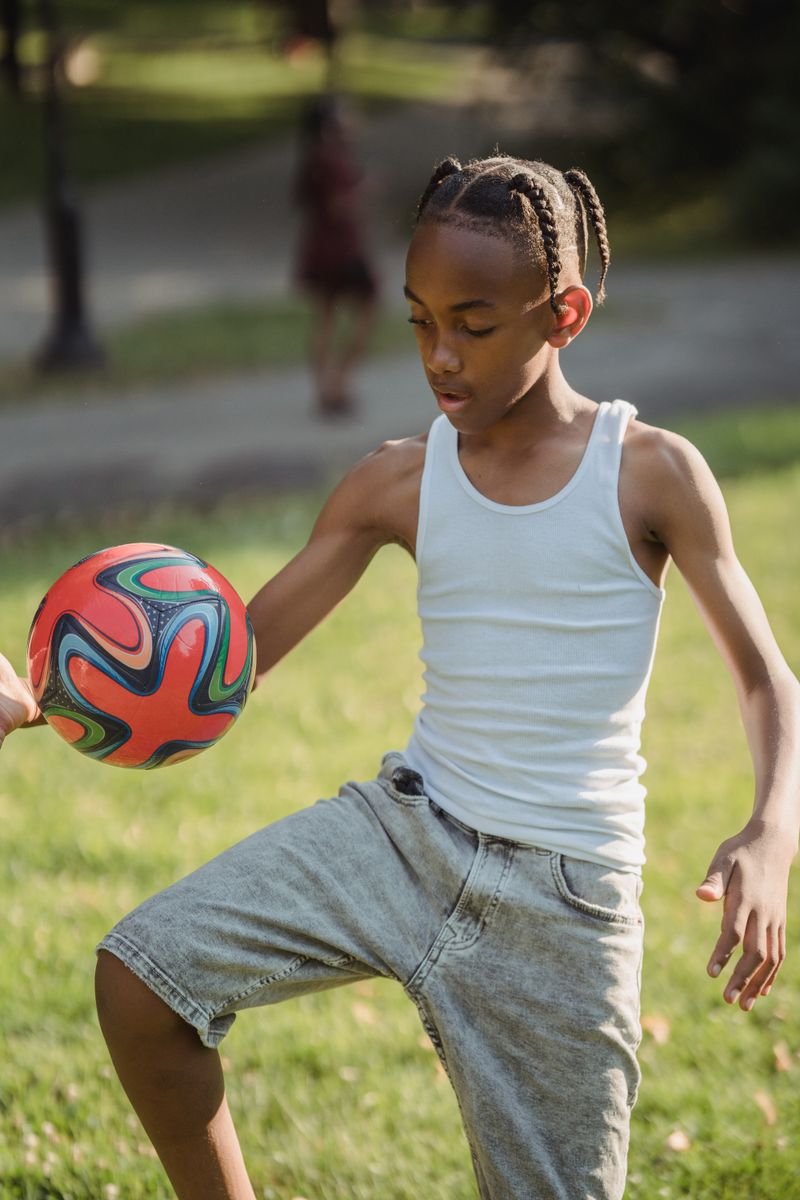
[
  {"x": 727, "y": 942},
  {"x": 733, "y": 929},
  {"x": 747, "y": 971},
  {"x": 766, "y": 985},
  {"x": 779, "y": 957},
  {"x": 753, "y": 986},
  {"x": 758, "y": 963}
]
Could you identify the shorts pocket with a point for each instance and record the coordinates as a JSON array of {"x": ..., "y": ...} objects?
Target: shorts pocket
[
  {"x": 406, "y": 786},
  {"x": 598, "y": 891}
]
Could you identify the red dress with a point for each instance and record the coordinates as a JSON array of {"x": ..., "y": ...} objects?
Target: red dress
[{"x": 332, "y": 260}]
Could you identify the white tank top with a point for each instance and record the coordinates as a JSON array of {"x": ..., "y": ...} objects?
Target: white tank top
[{"x": 539, "y": 629}]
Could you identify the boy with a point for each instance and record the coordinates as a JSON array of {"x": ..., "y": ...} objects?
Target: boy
[{"x": 494, "y": 867}]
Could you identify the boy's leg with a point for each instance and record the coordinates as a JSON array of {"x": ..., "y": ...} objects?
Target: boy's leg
[
  {"x": 531, "y": 996},
  {"x": 354, "y": 887},
  {"x": 174, "y": 1083}
]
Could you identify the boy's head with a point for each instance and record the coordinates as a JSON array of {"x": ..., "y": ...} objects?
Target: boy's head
[
  {"x": 542, "y": 211},
  {"x": 494, "y": 278}
]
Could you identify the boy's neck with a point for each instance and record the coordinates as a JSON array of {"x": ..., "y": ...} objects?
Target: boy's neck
[{"x": 551, "y": 407}]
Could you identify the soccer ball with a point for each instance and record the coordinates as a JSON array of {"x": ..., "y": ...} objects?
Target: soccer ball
[{"x": 141, "y": 655}]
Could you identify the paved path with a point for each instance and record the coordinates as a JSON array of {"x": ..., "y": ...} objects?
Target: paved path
[
  {"x": 217, "y": 230},
  {"x": 673, "y": 336},
  {"x": 676, "y": 338}
]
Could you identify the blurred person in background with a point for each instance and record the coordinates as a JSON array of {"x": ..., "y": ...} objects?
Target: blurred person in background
[{"x": 332, "y": 265}]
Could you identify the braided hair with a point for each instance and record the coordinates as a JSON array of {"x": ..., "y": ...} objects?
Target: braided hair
[
  {"x": 582, "y": 187},
  {"x": 540, "y": 209}
]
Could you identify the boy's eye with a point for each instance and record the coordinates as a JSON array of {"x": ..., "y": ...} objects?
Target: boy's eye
[{"x": 477, "y": 333}]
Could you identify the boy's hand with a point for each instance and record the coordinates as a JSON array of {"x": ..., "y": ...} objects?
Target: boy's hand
[
  {"x": 17, "y": 705},
  {"x": 750, "y": 873}
]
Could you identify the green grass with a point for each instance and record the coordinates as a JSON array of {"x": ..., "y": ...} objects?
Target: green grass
[
  {"x": 743, "y": 441},
  {"x": 164, "y": 100},
  {"x": 168, "y": 347},
  {"x": 695, "y": 229},
  {"x": 335, "y": 1094}
]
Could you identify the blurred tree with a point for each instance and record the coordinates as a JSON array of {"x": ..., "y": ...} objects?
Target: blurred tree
[
  {"x": 9, "y": 61},
  {"x": 705, "y": 90}
]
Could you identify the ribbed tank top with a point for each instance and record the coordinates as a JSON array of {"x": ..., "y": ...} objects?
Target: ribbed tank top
[{"x": 539, "y": 630}]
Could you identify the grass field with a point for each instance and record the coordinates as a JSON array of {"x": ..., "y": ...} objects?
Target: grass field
[
  {"x": 195, "y": 343},
  {"x": 155, "y": 98},
  {"x": 339, "y": 1097}
]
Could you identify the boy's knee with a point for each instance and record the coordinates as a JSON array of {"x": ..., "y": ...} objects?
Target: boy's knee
[{"x": 125, "y": 1004}]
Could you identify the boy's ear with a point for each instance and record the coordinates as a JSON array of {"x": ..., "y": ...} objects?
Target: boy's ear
[{"x": 576, "y": 306}]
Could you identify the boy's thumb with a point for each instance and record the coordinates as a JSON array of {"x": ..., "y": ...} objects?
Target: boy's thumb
[{"x": 713, "y": 886}]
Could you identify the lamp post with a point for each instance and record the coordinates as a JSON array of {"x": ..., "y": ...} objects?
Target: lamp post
[
  {"x": 9, "y": 24},
  {"x": 70, "y": 343}
]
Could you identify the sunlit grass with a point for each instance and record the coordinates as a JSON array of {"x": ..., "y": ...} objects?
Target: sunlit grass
[
  {"x": 190, "y": 344},
  {"x": 741, "y": 441},
  {"x": 337, "y": 1095},
  {"x": 155, "y": 103}
]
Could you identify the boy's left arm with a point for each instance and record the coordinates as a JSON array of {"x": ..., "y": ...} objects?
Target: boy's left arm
[{"x": 750, "y": 870}]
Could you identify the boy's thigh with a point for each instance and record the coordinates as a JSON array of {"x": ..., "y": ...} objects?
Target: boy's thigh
[
  {"x": 351, "y": 887},
  {"x": 538, "y": 1024}
]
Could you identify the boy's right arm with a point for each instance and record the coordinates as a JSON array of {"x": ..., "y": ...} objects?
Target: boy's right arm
[
  {"x": 374, "y": 505},
  {"x": 17, "y": 705}
]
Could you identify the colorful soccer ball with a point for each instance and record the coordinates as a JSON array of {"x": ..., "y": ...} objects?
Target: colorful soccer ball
[{"x": 141, "y": 655}]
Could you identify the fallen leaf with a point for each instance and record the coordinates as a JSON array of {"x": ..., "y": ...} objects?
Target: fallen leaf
[
  {"x": 678, "y": 1141},
  {"x": 767, "y": 1106},
  {"x": 364, "y": 1013},
  {"x": 658, "y": 1027},
  {"x": 782, "y": 1057}
]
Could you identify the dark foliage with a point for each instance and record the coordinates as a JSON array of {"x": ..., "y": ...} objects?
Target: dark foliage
[{"x": 707, "y": 92}]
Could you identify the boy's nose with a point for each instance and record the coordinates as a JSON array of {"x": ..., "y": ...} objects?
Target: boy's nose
[{"x": 442, "y": 358}]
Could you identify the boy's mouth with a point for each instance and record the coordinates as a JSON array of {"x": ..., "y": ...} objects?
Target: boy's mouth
[{"x": 450, "y": 401}]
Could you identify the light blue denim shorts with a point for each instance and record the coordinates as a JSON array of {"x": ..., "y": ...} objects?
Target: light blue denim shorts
[{"x": 524, "y": 965}]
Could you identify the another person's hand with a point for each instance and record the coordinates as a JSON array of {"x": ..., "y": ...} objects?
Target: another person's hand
[
  {"x": 750, "y": 874},
  {"x": 17, "y": 705}
]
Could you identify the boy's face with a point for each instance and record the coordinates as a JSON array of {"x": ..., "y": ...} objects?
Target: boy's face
[{"x": 482, "y": 317}]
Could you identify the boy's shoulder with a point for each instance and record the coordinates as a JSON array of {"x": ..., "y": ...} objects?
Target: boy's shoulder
[
  {"x": 661, "y": 457},
  {"x": 381, "y": 492},
  {"x": 666, "y": 483},
  {"x": 393, "y": 464}
]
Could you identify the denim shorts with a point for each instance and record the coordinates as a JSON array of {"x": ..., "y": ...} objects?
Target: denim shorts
[{"x": 524, "y": 965}]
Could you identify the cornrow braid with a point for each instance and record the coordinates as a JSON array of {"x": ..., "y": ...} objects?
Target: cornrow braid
[
  {"x": 448, "y": 166},
  {"x": 584, "y": 191},
  {"x": 526, "y": 186},
  {"x": 545, "y": 213}
]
